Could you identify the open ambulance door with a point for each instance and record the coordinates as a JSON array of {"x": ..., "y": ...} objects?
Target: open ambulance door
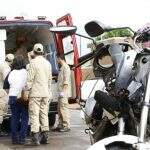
[{"x": 67, "y": 45}]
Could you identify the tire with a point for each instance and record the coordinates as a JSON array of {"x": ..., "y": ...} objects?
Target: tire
[
  {"x": 52, "y": 119},
  {"x": 103, "y": 130},
  {"x": 119, "y": 146}
]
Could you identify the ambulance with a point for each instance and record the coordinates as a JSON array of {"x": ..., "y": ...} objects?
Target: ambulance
[{"x": 19, "y": 35}]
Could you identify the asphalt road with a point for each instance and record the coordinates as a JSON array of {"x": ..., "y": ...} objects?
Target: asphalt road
[{"x": 76, "y": 139}]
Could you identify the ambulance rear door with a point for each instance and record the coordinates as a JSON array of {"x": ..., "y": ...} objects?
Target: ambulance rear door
[{"x": 68, "y": 46}]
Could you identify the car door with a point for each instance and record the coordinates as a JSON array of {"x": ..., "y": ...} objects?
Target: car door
[{"x": 67, "y": 45}]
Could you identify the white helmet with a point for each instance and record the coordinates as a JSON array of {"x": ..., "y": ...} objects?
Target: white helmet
[
  {"x": 38, "y": 47},
  {"x": 9, "y": 58}
]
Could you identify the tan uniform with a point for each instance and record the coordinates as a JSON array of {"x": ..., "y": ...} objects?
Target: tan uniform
[
  {"x": 39, "y": 82},
  {"x": 64, "y": 78},
  {"x": 3, "y": 104},
  {"x": 4, "y": 70}
]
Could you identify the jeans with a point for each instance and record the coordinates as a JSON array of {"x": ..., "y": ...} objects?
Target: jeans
[{"x": 19, "y": 120}]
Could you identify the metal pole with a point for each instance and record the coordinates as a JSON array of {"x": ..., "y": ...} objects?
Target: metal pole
[
  {"x": 145, "y": 109},
  {"x": 121, "y": 125}
]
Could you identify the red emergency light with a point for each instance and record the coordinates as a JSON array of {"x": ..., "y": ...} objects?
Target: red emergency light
[{"x": 2, "y": 17}]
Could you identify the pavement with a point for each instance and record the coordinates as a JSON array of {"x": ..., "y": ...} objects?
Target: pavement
[{"x": 76, "y": 139}]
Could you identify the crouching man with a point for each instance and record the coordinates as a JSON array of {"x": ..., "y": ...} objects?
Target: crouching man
[
  {"x": 3, "y": 107},
  {"x": 4, "y": 70},
  {"x": 39, "y": 84}
]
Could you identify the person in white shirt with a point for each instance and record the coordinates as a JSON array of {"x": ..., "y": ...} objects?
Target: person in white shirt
[{"x": 17, "y": 81}]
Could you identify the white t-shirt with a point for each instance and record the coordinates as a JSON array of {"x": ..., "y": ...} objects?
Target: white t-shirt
[{"x": 17, "y": 80}]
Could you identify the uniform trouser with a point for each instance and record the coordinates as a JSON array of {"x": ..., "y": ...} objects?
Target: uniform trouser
[
  {"x": 19, "y": 119},
  {"x": 3, "y": 109},
  {"x": 63, "y": 112},
  {"x": 38, "y": 114}
]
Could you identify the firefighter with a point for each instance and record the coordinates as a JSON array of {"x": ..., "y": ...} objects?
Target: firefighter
[
  {"x": 39, "y": 83},
  {"x": 30, "y": 57},
  {"x": 3, "y": 107},
  {"x": 4, "y": 70},
  {"x": 64, "y": 89}
]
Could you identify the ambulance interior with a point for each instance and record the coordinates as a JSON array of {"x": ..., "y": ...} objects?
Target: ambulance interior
[{"x": 21, "y": 39}]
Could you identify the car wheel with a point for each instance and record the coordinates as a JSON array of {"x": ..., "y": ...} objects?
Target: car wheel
[{"x": 119, "y": 146}]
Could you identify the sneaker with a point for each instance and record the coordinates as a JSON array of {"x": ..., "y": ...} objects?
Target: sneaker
[
  {"x": 2, "y": 134},
  {"x": 57, "y": 129},
  {"x": 64, "y": 129},
  {"x": 15, "y": 142},
  {"x": 22, "y": 142}
]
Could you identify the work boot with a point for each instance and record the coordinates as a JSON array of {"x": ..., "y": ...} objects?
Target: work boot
[
  {"x": 35, "y": 139},
  {"x": 44, "y": 137}
]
